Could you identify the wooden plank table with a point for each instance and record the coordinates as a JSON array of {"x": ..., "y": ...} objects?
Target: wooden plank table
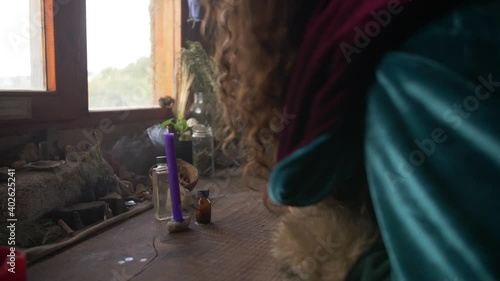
[{"x": 234, "y": 247}]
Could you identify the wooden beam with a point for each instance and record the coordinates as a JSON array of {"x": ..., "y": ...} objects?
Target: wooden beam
[
  {"x": 50, "y": 62},
  {"x": 166, "y": 44}
]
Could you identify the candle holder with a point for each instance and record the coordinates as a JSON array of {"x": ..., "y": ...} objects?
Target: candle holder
[{"x": 175, "y": 226}]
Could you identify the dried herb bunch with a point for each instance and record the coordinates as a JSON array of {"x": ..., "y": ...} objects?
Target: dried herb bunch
[
  {"x": 91, "y": 170},
  {"x": 202, "y": 67},
  {"x": 199, "y": 69}
]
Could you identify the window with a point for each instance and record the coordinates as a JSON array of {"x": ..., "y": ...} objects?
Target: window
[
  {"x": 131, "y": 46},
  {"x": 58, "y": 79},
  {"x": 119, "y": 54},
  {"x": 22, "y": 54}
]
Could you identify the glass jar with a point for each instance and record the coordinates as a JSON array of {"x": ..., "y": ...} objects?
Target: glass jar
[
  {"x": 161, "y": 189},
  {"x": 203, "y": 150},
  {"x": 200, "y": 110}
]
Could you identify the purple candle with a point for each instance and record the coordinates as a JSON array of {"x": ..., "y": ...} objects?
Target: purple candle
[{"x": 173, "y": 178}]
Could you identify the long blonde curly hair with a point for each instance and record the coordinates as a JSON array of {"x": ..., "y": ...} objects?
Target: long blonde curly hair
[{"x": 254, "y": 48}]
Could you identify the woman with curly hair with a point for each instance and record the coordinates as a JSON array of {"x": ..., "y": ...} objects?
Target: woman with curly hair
[{"x": 375, "y": 123}]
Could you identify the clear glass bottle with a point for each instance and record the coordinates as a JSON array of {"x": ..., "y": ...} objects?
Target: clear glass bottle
[
  {"x": 200, "y": 110},
  {"x": 203, "y": 208},
  {"x": 203, "y": 150},
  {"x": 161, "y": 189}
]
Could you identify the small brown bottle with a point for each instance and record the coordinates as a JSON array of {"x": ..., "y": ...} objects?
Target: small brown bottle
[{"x": 203, "y": 208}]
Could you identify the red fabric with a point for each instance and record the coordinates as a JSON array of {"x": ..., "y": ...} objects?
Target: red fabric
[{"x": 326, "y": 90}]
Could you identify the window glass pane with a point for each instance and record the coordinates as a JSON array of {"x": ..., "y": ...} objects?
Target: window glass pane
[
  {"x": 21, "y": 45},
  {"x": 119, "y": 54}
]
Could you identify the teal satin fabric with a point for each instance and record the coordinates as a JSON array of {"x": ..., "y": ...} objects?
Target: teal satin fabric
[
  {"x": 432, "y": 153},
  {"x": 432, "y": 149},
  {"x": 314, "y": 172}
]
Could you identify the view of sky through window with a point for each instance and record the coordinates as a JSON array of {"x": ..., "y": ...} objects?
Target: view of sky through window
[
  {"x": 119, "y": 54},
  {"x": 21, "y": 46}
]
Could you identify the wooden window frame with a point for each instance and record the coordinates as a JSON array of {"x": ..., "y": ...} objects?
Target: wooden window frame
[{"x": 65, "y": 103}]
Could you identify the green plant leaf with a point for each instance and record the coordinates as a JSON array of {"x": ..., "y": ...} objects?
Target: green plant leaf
[
  {"x": 167, "y": 123},
  {"x": 184, "y": 123}
]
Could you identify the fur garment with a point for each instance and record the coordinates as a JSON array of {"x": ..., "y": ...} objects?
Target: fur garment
[{"x": 323, "y": 241}]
